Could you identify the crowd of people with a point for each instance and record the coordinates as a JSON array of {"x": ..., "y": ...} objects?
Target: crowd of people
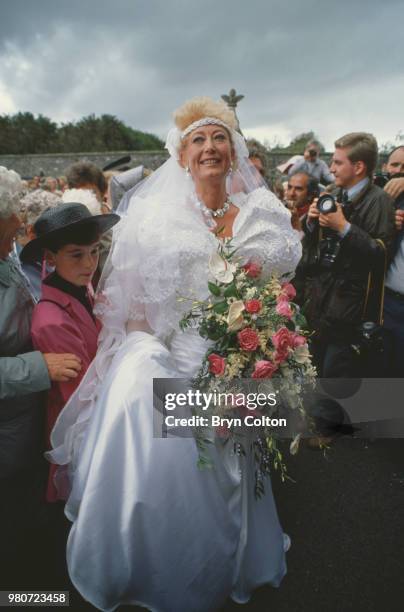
[
  {"x": 338, "y": 229},
  {"x": 352, "y": 266}
]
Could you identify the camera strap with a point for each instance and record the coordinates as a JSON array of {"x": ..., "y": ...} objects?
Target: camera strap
[{"x": 375, "y": 285}]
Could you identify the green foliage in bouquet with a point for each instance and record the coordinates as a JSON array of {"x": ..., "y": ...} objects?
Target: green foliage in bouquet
[{"x": 255, "y": 331}]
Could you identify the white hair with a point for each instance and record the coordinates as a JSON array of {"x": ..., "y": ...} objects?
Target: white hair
[
  {"x": 83, "y": 196},
  {"x": 10, "y": 191},
  {"x": 36, "y": 202}
]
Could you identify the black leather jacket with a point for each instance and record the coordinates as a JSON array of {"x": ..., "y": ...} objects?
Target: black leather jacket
[{"x": 333, "y": 297}]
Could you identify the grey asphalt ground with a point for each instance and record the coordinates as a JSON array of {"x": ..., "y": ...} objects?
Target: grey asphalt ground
[{"x": 344, "y": 514}]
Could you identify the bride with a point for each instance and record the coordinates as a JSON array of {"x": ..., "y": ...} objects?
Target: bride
[{"x": 149, "y": 527}]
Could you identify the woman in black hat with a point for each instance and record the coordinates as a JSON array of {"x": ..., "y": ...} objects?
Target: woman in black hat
[{"x": 63, "y": 321}]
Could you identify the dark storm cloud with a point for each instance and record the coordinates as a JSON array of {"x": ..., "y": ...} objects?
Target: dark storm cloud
[{"x": 332, "y": 67}]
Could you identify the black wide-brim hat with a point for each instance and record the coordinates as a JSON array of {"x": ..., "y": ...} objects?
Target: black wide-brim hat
[{"x": 54, "y": 221}]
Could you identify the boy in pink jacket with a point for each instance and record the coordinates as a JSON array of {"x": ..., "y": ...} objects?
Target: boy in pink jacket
[{"x": 63, "y": 321}]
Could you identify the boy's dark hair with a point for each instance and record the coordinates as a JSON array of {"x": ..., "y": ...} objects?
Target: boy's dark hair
[
  {"x": 84, "y": 173},
  {"x": 82, "y": 235}
]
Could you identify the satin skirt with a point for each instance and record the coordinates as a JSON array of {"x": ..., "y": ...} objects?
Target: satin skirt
[{"x": 149, "y": 527}]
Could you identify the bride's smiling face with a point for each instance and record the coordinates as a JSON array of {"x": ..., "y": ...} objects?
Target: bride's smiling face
[{"x": 208, "y": 152}]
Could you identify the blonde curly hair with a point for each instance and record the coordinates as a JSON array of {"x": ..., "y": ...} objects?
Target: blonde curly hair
[{"x": 200, "y": 107}]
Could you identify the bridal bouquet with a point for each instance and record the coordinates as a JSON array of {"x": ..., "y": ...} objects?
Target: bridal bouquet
[{"x": 255, "y": 332}]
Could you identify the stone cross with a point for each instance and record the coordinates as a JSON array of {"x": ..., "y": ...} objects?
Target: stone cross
[{"x": 232, "y": 100}]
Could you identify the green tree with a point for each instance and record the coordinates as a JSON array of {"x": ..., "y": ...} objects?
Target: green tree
[
  {"x": 24, "y": 133},
  {"x": 298, "y": 144}
]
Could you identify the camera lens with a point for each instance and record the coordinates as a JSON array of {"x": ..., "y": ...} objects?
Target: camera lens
[{"x": 326, "y": 204}]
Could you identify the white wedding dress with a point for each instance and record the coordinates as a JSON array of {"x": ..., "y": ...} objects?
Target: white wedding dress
[{"x": 149, "y": 527}]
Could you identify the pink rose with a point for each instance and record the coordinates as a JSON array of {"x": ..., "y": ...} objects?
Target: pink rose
[
  {"x": 283, "y": 308},
  {"x": 252, "y": 269},
  {"x": 282, "y": 340},
  {"x": 253, "y": 306},
  {"x": 298, "y": 340},
  {"x": 264, "y": 369},
  {"x": 217, "y": 364},
  {"x": 281, "y": 355},
  {"x": 289, "y": 291},
  {"x": 248, "y": 339}
]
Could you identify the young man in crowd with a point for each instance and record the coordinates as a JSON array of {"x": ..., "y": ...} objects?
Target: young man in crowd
[{"x": 340, "y": 249}]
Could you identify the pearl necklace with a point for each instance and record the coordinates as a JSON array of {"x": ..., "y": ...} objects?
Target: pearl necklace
[
  {"x": 209, "y": 213},
  {"x": 220, "y": 212}
]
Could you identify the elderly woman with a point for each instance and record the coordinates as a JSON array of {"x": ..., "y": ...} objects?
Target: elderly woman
[
  {"x": 149, "y": 527},
  {"x": 32, "y": 205},
  {"x": 24, "y": 373}
]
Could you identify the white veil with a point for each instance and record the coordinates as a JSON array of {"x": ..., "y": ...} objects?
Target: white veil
[{"x": 160, "y": 247}]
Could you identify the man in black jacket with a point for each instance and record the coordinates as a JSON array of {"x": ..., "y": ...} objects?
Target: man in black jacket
[
  {"x": 340, "y": 250},
  {"x": 394, "y": 296}
]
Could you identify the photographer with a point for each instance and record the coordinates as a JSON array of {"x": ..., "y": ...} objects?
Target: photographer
[
  {"x": 313, "y": 165},
  {"x": 394, "y": 293},
  {"x": 393, "y": 182},
  {"x": 301, "y": 190},
  {"x": 340, "y": 248}
]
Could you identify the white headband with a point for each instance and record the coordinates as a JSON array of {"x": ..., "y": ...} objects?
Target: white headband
[
  {"x": 205, "y": 121},
  {"x": 174, "y": 137}
]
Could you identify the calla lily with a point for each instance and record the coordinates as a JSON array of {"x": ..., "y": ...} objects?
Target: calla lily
[
  {"x": 221, "y": 270},
  {"x": 235, "y": 318},
  {"x": 294, "y": 446}
]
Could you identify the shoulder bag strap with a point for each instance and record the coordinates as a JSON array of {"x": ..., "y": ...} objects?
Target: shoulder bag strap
[{"x": 372, "y": 287}]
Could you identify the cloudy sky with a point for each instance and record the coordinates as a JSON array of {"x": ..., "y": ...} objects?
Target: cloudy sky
[{"x": 330, "y": 66}]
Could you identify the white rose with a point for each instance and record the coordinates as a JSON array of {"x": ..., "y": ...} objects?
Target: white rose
[
  {"x": 301, "y": 354},
  {"x": 221, "y": 270},
  {"x": 250, "y": 293}
]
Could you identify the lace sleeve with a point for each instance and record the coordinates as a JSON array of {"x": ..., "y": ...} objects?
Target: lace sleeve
[{"x": 266, "y": 234}]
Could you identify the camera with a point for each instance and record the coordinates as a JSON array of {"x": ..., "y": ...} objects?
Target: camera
[
  {"x": 330, "y": 245},
  {"x": 382, "y": 179},
  {"x": 373, "y": 345},
  {"x": 329, "y": 248},
  {"x": 326, "y": 204},
  {"x": 369, "y": 336}
]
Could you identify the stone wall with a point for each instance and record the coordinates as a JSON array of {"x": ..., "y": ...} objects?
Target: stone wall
[{"x": 56, "y": 164}]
